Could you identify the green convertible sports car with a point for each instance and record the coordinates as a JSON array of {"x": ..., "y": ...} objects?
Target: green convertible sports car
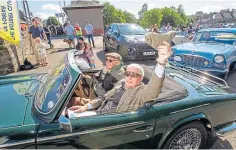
[{"x": 190, "y": 109}]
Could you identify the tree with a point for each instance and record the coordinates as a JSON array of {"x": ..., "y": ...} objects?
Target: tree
[
  {"x": 52, "y": 21},
  {"x": 129, "y": 17},
  {"x": 170, "y": 16},
  {"x": 153, "y": 16},
  {"x": 113, "y": 15}
]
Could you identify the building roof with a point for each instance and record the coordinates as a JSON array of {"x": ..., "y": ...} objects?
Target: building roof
[{"x": 82, "y": 4}]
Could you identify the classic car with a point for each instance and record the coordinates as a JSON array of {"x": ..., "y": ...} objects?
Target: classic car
[
  {"x": 128, "y": 40},
  {"x": 189, "y": 110},
  {"x": 212, "y": 50}
]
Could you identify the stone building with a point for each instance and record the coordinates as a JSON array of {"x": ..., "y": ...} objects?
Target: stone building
[
  {"x": 11, "y": 56},
  {"x": 82, "y": 10}
]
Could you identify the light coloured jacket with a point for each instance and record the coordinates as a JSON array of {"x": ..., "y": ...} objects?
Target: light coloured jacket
[{"x": 133, "y": 98}]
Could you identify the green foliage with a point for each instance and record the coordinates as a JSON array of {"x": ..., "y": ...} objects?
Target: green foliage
[
  {"x": 113, "y": 15},
  {"x": 170, "y": 16},
  {"x": 153, "y": 16},
  {"x": 129, "y": 17},
  {"x": 174, "y": 16},
  {"x": 52, "y": 21}
]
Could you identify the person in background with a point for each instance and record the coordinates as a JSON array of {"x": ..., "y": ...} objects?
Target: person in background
[
  {"x": 48, "y": 34},
  {"x": 70, "y": 33},
  {"x": 155, "y": 28},
  {"x": 89, "y": 32},
  {"x": 88, "y": 52},
  {"x": 78, "y": 31},
  {"x": 163, "y": 29},
  {"x": 168, "y": 27},
  {"x": 150, "y": 29},
  {"x": 36, "y": 31},
  {"x": 41, "y": 50},
  {"x": 197, "y": 28}
]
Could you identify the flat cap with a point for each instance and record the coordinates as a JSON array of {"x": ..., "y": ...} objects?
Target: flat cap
[
  {"x": 156, "y": 39},
  {"x": 114, "y": 55}
]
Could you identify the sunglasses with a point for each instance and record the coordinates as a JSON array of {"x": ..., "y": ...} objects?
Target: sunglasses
[
  {"x": 131, "y": 74},
  {"x": 110, "y": 60}
]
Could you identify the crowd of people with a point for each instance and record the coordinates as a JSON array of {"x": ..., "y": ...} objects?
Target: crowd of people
[
  {"x": 41, "y": 34},
  {"x": 164, "y": 29},
  {"x": 75, "y": 32}
]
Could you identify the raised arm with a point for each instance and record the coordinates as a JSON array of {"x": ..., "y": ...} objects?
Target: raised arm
[{"x": 153, "y": 88}]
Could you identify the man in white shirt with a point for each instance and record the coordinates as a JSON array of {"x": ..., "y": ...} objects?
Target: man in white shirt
[{"x": 89, "y": 32}]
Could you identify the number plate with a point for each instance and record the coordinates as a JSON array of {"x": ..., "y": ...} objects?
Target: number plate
[{"x": 148, "y": 53}]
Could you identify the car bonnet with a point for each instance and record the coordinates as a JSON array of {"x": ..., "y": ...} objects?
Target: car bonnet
[{"x": 13, "y": 100}]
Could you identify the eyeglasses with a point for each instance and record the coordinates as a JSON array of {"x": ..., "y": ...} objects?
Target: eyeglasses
[
  {"x": 131, "y": 74},
  {"x": 111, "y": 60}
]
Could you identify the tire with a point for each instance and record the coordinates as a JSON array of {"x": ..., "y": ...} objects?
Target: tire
[
  {"x": 105, "y": 47},
  {"x": 196, "y": 128}
]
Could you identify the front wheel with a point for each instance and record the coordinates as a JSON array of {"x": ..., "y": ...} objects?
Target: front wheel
[{"x": 190, "y": 136}]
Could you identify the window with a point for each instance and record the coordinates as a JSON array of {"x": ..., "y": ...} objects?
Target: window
[
  {"x": 132, "y": 29},
  {"x": 115, "y": 29},
  {"x": 52, "y": 89},
  {"x": 215, "y": 37}
]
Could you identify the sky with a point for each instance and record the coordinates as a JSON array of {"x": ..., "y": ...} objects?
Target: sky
[{"x": 46, "y": 8}]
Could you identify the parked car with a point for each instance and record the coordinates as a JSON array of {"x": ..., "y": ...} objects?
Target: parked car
[
  {"x": 189, "y": 109},
  {"x": 212, "y": 51},
  {"x": 128, "y": 40}
]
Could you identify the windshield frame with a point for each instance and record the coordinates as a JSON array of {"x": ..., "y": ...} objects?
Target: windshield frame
[
  {"x": 61, "y": 96},
  {"x": 131, "y": 25},
  {"x": 196, "y": 40}
]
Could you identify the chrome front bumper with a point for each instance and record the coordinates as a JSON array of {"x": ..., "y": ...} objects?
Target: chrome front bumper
[{"x": 227, "y": 130}]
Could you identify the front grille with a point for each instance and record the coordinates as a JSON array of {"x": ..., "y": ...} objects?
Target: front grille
[{"x": 195, "y": 61}]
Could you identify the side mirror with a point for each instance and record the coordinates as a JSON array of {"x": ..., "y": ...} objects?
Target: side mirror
[
  {"x": 65, "y": 123},
  {"x": 116, "y": 33},
  {"x": 149, "y": 104}
]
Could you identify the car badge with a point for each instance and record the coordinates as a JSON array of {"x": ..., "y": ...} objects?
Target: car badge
[{"x": 205, "y": 63}]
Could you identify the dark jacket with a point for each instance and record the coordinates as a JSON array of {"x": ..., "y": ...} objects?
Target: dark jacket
[{"x": 105, "y": 80}]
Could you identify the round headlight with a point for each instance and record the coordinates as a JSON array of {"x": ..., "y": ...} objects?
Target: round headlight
[
  {"x": 219, "y": 59},
  {"x": 177, "y": 58}
]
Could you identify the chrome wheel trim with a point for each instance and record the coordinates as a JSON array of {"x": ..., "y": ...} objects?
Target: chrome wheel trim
[{"x": 187, "y": 139}]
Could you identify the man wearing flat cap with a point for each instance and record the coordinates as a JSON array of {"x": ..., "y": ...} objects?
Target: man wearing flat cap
[
  {"x": 108, "y": 77},
  {"x": 130, "y": 93}
]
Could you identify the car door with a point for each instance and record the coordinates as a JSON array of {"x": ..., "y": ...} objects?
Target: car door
[
  {"x": 101, "y": 131},
  {"x": 18, "y": 137},
  {"x": 107, "y": 37}
]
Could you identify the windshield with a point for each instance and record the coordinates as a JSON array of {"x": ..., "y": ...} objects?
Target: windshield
[
  {"x": 53, "y": 88},
  {"x": 215, "y": 37},
  {"x": 132, "y": 29}
]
